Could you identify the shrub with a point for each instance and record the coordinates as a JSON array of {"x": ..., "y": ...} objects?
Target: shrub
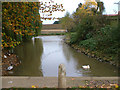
[{"x": 89, "y": 44}]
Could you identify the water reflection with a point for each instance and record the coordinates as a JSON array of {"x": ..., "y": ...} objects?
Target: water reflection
[
  {"x": 42, "y": 55},
  {"x": 30, "y": 55}
]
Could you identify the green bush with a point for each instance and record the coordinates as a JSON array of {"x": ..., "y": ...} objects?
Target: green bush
[
  {"x": 73, "y": 38},
  {"x": 106, "y": 41},
  {"x": 89, "y": 44},
  {"x": 83, "y": 30}
]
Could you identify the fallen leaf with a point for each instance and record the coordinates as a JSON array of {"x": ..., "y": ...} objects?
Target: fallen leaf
[
  {"x": 73, "y": 79},
  {"x": 10, "y": 82},
  {"x": 33, "y": 86}
]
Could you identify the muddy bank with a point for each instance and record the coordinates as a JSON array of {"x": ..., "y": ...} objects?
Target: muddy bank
[
  {"x": 92, "y": 54},
  {"x": 9, "y": 59}
]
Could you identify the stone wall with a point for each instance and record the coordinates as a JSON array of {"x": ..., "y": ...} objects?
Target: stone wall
[{"x": 51, "y": 26}]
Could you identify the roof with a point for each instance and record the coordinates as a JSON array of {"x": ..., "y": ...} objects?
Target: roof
[{"x": 113, "y": 14}]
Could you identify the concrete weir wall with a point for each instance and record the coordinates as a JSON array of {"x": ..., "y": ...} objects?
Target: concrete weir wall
[
  {"x": 52, "y": 29},
  {"x": 51, "y": 26}
]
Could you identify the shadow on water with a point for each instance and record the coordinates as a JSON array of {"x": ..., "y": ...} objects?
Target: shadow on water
[{"x": 30, "y": 55}]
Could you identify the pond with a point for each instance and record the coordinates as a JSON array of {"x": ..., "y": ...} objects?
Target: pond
[{"x": 42, "y": 55}]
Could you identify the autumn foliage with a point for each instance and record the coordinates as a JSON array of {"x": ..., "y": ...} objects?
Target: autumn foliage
[{"x": 20, "y": 21}]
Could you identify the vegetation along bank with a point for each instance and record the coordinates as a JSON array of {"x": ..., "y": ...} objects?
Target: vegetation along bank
[
  {"x": 92, "y": 33},
  {"x": 17, "y": 27}
]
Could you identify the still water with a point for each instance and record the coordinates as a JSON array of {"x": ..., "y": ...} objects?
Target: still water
[{"x": 42, "y": 55}]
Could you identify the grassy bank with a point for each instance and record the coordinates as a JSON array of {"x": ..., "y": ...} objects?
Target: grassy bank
[{"x": 97, "y": 54}]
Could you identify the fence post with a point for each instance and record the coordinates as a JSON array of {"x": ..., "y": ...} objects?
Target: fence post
[{"x": 62, "y": 77}]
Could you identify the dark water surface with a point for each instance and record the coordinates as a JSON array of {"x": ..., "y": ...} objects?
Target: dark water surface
[{"x": 42, "y": 55}]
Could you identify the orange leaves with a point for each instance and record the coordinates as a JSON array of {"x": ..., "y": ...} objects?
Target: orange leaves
[
  {"x": 30, "y": 34},
  {"x": 6, "y": 45},
  {"x": 5, "y": 10},
  {"x": 22, "y": 34},
  {"x": 73, "y": 79},
  {"x": 20, "y": 20},
  {"x": 2, "y": 40},
  {"x": 37, "y": 27},
  {"x": 8, "y": 42},
  {"x": 40, "y": 21},
  {"x": 90, "y": 3},
  {"x": 33, "y": 86},
  {"x": 2, "y": 34},
  {"x": 16, "y": 30},
  {"x": 26, "y": 31}
]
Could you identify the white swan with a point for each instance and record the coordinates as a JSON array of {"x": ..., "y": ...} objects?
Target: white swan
[{"x": 86, "y": 66}]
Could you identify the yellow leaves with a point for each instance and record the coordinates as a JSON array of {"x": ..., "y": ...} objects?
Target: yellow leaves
[
  {"x": 33, "y": 86},
  {"x": 82, "y": 12},
  {"x": 18, "y": 42},
  {"x": 88, "y": 5},
  {"x": 20, "y": 32},
  {"x": 115, "y": 85},
  {"x": 17, "y": 33},
  {"x": 11, "y": 45},
  {"x": 80, "y": 87},
  {"x": 5, "y": 10},
  {"x": 5, "y": 45},
  {"x": 2, "y": 46},
  {"x": 8, "y": 18},
  {"x": 30, "y": 34},
  {"x": 89, "y": 2},
  {"x": 26, "y": 31},
  {"x": 37, "y": 27},
  {"x": 2, "y": 40},
  {"x": 35, "y": 8},
  {"x": 16, "y": 30},
  {"x": 40, "y": 21},
  {"x": 18, "y": 24},
  {"x": 9, "y": 42}
]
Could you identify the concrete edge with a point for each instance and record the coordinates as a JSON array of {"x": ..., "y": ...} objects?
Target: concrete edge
[{"x": 80, "y": 78}]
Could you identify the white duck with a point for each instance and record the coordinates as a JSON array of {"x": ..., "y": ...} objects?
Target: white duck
[
  {"x": 86, "y": 66},
  {"x": 10, "y": 67}
]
